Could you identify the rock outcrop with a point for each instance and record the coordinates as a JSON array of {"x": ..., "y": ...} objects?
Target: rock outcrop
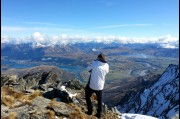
[
  {"x": 45, "y": 95},
  {"x": 41, "y": 77}
]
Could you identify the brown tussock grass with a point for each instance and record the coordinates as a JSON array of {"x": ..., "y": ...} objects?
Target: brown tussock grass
[
  {"x": 12, "y": 115},
  {"x": 26, "y": 102},
  {"x": 110, "y": 115},
  {"x": 53, "y": 103},
  {"x": 35, "y": 94},
  {"x": 94, "y": 97},
  {"x": 50, "y": 114},
  {"x": 9, "y": 96},
  {"x": 29, "y": 102},
  {"x": 18, "y": 96},
  {"x": 7, "y": 101},
  {"x": 9, "y": 91},
  {"x": 5, "y": 90},
  {"x": 77, "y": 113}
]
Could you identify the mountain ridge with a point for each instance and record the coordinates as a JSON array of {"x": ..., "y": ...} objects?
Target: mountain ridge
[{"x": 160, "y": 100}]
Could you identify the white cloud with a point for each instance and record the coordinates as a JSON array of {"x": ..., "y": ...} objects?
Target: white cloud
[
  {"x": 168, "y": 38},
  {"x": 5, "y": 39},
  {"x": 166, "y": 41},
  {"x": 38, "y": 37}
]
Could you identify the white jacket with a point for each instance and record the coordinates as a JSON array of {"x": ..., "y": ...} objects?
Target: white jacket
[{"x": 99, "y": 71}]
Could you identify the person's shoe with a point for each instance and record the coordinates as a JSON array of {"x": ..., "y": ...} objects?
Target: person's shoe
[
  {"x": 98, "y": 115},
  {"x": 89, "y": 112}
]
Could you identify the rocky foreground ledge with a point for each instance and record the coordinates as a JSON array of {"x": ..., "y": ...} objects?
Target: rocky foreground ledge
[{"x": 45, "y": 92}]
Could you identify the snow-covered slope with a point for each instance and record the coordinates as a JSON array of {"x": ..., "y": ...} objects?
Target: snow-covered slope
[
  {"x": 136, "y": 116},
  {"x": 160, "y": 100}
]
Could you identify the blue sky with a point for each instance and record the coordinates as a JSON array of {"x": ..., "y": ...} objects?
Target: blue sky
[{"x": 128, "y": 18}]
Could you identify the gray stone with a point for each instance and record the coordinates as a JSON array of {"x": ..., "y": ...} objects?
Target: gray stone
[
  {"x": 62, "y": 110},
  {"x": 22, "y": 115},
  {"x": 74, "y": 84}
]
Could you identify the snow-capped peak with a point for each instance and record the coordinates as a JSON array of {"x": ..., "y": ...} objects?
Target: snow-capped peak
[{"x": 38, "y": 45}]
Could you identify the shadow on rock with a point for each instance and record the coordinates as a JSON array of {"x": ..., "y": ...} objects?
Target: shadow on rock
[{"x": 55, "y": 93}]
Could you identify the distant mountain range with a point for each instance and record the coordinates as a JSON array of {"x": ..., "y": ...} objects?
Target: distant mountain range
[
  {"x": 160, "y": 100},
  {"x": 37, "y": 50}
]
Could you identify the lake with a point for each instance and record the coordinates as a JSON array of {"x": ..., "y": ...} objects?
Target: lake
[{"x": 19, "y": 64}]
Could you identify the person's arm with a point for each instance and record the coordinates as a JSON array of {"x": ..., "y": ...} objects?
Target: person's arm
[
  {"x": 107, "y": 69},
  {"x": 89, "y": 68}
]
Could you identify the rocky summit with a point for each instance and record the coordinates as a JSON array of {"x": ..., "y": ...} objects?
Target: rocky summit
[{"x": 45, "y": 92}]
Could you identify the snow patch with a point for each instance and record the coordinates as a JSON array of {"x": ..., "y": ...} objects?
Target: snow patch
[
  {"x": 63, "y": 88},
  {"x": 135, "y": 116}
]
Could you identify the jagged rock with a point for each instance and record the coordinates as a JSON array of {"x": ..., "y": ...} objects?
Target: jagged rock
[
  {"x": 41, "y": 77},
  {"x": 9, "y": 80},
  {"x": 104, "y": 108},
  {"x": 21, "y": 112},
  {"x": 115, "y": 110},
  {"x": 24, "y": 108},
  {"x": 39, "y": 116},
  {"x": 4, "y": 79},
  {"x": 62, "y": 110},
  {"x": 71, "y": 96},
  {"x": 74, "y": 84},
  {"x": 29, "y": 91},
  {"x": 41, "y": 102},
  {"x": 4, "y": 110},
  {"x": 38, "y": 105},
  {"x": 22, "y": 115},
  {"x": 42, "y": 108}
]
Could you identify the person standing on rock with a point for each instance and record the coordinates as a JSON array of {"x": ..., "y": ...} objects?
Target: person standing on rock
[{"x": 98, "y": 69}]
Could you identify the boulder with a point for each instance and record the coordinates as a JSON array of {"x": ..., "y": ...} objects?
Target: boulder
[
  {"x": 62, "y": 110},
  {"x": 74, "y": 84},
  {"x": 40, "y": 77}
]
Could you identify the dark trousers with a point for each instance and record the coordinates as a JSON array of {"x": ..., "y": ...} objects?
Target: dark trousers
[{"x": 88, "y": 93}]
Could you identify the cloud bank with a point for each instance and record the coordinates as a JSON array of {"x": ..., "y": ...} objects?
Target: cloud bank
[{"x": 166, "y": 41}]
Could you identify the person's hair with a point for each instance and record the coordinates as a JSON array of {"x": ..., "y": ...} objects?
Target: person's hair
[{"x": 101, "y": 56}]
